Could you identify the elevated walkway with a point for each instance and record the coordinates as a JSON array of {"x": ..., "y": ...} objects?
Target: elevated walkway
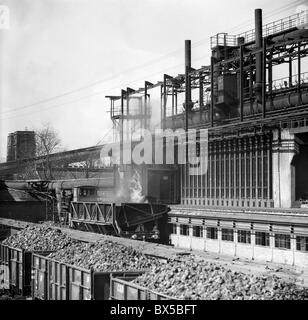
[{"x": 294, "y": 216}]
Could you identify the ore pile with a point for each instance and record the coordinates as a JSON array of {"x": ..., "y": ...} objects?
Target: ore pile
[
  {"x": 39, "y": 238},
  {"x": 106, "y": 256},
  {"x": 194, "y": 280}
]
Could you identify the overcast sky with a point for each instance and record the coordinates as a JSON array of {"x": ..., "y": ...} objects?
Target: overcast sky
[{"x": 100, "y": 46}]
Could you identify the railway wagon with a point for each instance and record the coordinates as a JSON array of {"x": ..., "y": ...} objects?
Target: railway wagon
[
  {"x": 122, "y": 288},
  {"x": 55, "y": 280},
  {"x": 141, "y": 221},
  {"x": 15, "y": 269}
]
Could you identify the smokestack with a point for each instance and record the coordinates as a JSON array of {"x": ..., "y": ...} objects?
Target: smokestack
[
  {"x": 188, "y": 53},
  {"x": 187, "y": 80},
  {"x": 187, "y": 87},
  {"x": 258, "y": 45}
]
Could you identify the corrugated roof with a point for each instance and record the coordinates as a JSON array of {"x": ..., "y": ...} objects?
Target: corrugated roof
[{"x": 8, "y": 194}]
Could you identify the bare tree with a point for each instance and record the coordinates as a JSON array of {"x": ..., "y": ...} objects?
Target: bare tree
[
  {"x": 26, "y": 170},
  {"x": 47, "y": 142}
]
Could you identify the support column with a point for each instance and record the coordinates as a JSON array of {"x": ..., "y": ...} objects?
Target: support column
[
  {"x": 299, "y": 73},
  {"x": 235, "y": 236},
  {"x": 270, "y": 80},
  {"x": 241, "y": 83},
  {"x": 204, "y": 238},
  {"x": 272, "y": 243},
  {"x": 178, "y": 232},
  {"x": 219, "y": 233},
  {"x": 284, "y": 149},
  {"x": 293, "y": 247},
  {"x": 212, "y": 93},
  {"x": 253, "y": 243},
  {"x": 59, "y": 200},
  {"x": 190, "y": 236}
]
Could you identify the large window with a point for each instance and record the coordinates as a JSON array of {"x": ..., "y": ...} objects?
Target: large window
[
  {"x": 233, "y": 165},
  {"x": 211, "y": 233},
  {"x": 173, "y": 228},
  {"x": 227, "y": 234},
  {"x": 184, "y": 230},
  {"x": 262, "y": 239},
  {"x": 282, "y": 241},
  {"x": 86, "y": 192},
  {"x": 198, "y": 231},
  {"x": 301, "y": 243},
  {"x": 243, "y": 236}
]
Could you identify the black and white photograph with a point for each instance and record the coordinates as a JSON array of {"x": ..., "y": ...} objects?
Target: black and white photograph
[{"x": 153, "y": 151}]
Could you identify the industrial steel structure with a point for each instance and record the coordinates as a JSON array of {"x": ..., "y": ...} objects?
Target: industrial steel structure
[
  {"x": 251, "y": 200},
  {"x": 257, "y": 146}
]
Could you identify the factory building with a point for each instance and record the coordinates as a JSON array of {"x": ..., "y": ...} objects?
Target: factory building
[
  {"x": 20, "y": 145},
  {"x": 247, "y": 194},
  {"x": 251, "y": 200}
]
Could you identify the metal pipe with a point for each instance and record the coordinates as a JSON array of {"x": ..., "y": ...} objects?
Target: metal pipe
[
  {"x": 200, "y": 94},
  {"x": 164, "y": 103},
  {"x": 241, "y": 83},
  {"x": 187, "y": 80},
  {"x": 123, "y": 92},
  {"x": 251, "y": 83},
  {"x": 146, "y": 96},
  {"x": 290, "y": 71},
  {"x": 172, "y": 100},
  {"x": 188, "y": 53},
  {"x": 264, "y": 79},
  {"x": 176, "y": 102},
  {"x": 212, "y": 92},
  {"x": 161, "y": 105},
  {"x": 127, "y": 101},
  {"x": 258, "y": 27},
  {"x": 258, "y": 44},
  {"x": 299, "y": 73},
  {"x": 187, "y": 88},
  {"x": 145, "y": 103},
  {"x": 270, "y": 78},
  {"x": 165, "y": 99}
]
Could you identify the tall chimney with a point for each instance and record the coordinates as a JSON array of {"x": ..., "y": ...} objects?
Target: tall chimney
[
  {"x": 187, "y": 88},
  {"x": 187, "y": 53},
  {"x": 187, "y": 80},
  {"x": 258, "y": 45}
]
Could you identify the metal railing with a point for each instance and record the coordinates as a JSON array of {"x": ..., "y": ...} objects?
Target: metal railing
[
  {"x": 285, "y": 83},
  {"x": 295, "y": 20},
  {"x": 223, "y": 39}
]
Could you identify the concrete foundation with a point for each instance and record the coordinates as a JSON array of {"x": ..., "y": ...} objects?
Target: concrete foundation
[{"x": 285, "y": 148}]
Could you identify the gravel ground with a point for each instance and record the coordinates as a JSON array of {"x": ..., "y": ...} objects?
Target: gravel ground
[
  {"x": 39, "y": 238},
  {"x": 192, "y": 275},
  {"x": 201, "y": 280}
]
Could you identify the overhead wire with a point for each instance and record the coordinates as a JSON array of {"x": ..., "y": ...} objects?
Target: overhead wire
[
  {"x": 196, "y": 44},
  {"x": 90, "y": 95}
]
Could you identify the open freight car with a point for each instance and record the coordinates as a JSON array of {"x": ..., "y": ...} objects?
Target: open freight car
[
  {"x": 55, "y": 280},
  {"x": 122, "y": 288},
  {"x": 15, "y": 269},
  {"x": 141, "y": 221}
]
